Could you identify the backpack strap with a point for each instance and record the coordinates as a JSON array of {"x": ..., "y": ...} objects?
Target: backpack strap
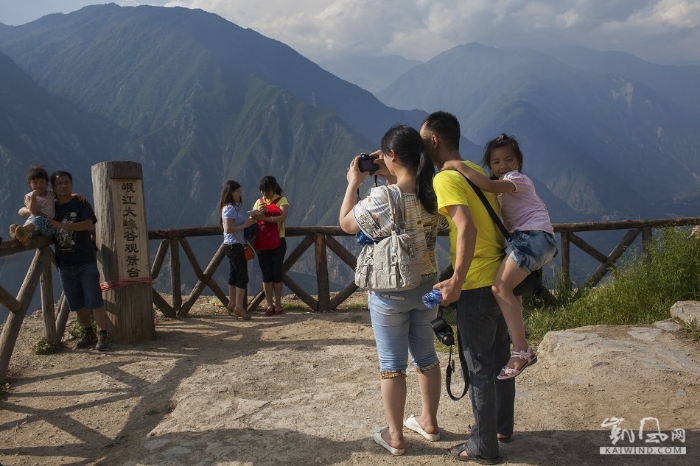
[
  {"x": 398, "y": 220},
  {"x": 496, "y": 219},
  {"x": 262, "y": 201}
]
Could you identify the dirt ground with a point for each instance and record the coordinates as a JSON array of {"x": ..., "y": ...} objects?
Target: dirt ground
[{"x": 303, "y": 388}]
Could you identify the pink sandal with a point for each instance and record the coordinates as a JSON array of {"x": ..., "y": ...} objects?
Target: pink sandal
[{"x": 530, "y": 358}]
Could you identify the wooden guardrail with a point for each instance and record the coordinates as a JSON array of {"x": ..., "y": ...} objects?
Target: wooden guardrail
[{"x": 323, "y": 238}]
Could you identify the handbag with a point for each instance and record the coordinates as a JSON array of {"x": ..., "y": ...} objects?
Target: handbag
[
  {"x": 268, "y": 236},
  {"x": 248, "y": 252},
  {"x": 532, "y": 284},
  {"x": 390, "y": 264},
  {"x": 250, "y": 233}
]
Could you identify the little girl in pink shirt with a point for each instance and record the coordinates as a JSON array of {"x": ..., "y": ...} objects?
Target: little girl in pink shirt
[{"x": 531, "y": 246}]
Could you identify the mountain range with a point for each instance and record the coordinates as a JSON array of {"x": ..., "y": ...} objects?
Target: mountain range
[
  {"x": 607, "y": 144},
  {"x": 202, "y": 100},
  {"x": 198, "y": 100},
  {"x": 195, "y": 99}
]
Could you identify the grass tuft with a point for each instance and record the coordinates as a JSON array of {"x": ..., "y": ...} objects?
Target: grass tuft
[{"x": 44, "y": 347}]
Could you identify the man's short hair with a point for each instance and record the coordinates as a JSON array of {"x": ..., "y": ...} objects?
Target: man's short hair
[
  {"x": 58, "y": 173},
  {"x": 446, "y": 126}
]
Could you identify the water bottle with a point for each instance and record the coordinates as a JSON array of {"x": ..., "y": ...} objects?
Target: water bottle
[
  {"x": 363, "y": 239},
  {"x": 432, "y": 299}
]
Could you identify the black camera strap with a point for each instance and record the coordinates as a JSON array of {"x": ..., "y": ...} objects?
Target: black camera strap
[{"x": 451, "y": 367}]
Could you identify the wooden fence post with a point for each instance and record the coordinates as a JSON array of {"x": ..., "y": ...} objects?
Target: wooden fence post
[
  {"x": 324, "y": 292},
  {"x": 47, "y": 305},
  {"x": 646, "y": 244},
  {"x": 122, "y": 241},
  {"x": 10, "y": 331}
]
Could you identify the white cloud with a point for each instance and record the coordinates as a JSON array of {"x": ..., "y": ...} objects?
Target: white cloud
[{"x": 420, "y": 29}]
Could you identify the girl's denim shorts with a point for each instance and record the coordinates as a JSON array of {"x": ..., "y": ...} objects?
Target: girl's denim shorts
[{"x": 531, "y": 249}]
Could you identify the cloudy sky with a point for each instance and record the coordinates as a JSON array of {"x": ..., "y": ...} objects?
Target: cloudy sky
[{"x": 661, "y": 31}]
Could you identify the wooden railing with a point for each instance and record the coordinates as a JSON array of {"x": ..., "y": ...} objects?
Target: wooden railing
[{"x": 322, "y": 238}]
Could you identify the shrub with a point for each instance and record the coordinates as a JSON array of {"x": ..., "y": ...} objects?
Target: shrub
[{"x": 641, "y": 290}]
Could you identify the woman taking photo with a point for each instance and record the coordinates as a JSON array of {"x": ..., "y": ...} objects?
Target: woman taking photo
[
  {"x": 233, "y": 220},
  {"x": 400, "y": 320}
]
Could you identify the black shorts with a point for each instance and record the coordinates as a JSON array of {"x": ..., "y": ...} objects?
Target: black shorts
[
  {"x": 271, "y": 262},
  {"x": 238, "y": 268}
]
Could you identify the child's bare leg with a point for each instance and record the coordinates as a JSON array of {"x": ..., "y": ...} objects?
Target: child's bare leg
[
  {"x": 29, "y": 227},
  {"x": 508, "y": 277}
]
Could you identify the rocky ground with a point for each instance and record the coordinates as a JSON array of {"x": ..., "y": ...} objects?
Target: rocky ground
[{"x": 303, "y": 388}]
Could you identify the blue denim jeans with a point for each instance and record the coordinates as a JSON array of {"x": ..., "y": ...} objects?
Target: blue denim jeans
[
  {"x": 401, "y": 323},
  {"x": 484, "y": 336},
  {"x": 42, "y": 226},
  {"x": 531, "y": 249},
  {"x": 81, "y": 285}
]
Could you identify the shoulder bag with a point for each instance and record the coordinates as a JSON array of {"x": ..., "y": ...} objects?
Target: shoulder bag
[{"x": 392, "y": 263}]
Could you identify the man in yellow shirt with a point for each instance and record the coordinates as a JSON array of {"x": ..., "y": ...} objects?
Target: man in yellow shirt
[{"x": 476, "y": 250}]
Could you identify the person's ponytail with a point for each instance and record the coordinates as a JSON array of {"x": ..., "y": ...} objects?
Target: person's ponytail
[{"x": 424, "y": 184}]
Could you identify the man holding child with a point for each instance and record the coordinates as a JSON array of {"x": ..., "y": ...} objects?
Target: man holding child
[
  {"x": 76, "y": 258},
  {"x": 476, "y": 249}
]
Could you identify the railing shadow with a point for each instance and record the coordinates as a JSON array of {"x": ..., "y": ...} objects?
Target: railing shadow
[{"x": 83, "y": 435}]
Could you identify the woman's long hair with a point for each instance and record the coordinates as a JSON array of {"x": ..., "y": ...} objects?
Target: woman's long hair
[
  {"x": 227, "y": 198},
  {"x": 408, "y": 146}
]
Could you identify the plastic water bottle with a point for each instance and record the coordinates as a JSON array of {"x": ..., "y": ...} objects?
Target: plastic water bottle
[
  {"x": 432, "y": 299},
  {"x": 363, "y": 239}
]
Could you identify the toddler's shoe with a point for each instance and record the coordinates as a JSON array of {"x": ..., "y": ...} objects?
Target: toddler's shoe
[{"x": 21, "y": 235}]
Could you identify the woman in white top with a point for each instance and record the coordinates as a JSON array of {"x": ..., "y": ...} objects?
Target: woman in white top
[
  {"x": 233, "y": 220},
  {"x": 400, "y": 320}
]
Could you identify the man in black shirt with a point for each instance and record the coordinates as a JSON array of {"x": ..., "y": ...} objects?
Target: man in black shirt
[{"x": 77, "y": 260}]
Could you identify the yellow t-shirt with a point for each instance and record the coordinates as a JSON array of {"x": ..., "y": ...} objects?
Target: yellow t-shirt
[
  {"x": 282, "y": 201},
  {"x": 452, "y": 189}
]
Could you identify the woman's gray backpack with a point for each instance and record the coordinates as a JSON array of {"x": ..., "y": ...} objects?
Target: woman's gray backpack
[{"x": 392, "y": 263}]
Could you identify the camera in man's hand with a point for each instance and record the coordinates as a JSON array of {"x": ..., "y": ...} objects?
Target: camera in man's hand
[
  {"x": 443, "y": 331},
  {"x": 366, "y": 164}
]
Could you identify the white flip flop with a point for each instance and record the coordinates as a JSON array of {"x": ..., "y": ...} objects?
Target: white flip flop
[
  {"x": 412, "y": 424},
  {"x": 377, "y": 436}
]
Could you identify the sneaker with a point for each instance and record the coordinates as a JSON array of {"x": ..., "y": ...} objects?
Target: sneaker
[
  {"x": 102, "y": 341},
  {"x": 89, "y": 339}
]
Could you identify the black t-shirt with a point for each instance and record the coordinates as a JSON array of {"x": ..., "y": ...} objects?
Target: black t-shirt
[{"x": 74, "y": 247}]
